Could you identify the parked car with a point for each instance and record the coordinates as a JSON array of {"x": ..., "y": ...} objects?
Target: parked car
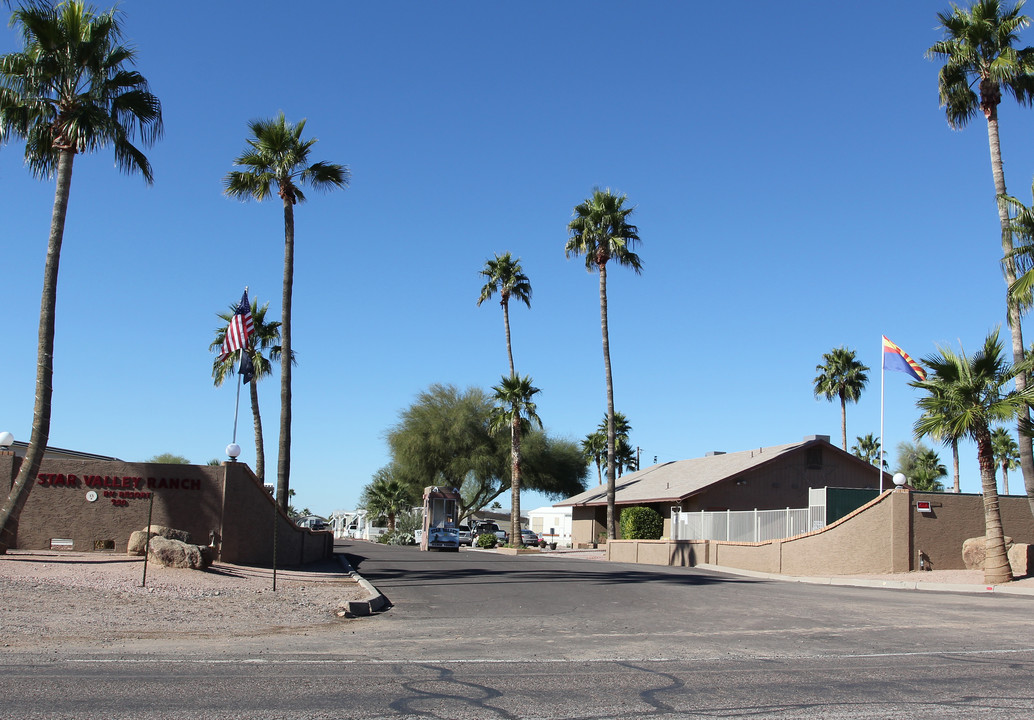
[
  {"x": 490, "y": 528},
  {"x": 529, "y": 538},
  {"x": 466, "y": 538}
]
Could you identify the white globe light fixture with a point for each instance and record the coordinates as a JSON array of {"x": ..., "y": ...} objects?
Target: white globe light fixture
[
  {"x": 6, "y": 440},
  {"x": 233, "y": 451},
  {"x": 899, "y": 479}
]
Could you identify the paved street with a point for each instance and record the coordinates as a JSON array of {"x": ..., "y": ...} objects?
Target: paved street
[{"x": 481, "y": 635}]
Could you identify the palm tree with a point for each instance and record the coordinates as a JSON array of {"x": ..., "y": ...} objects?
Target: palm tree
[
  {"x": 841, "y": 376},
  {"x": 601, "y": 232},
  {"x": 868, "y": 449},
  {"x": 969, "y": 395},
  {"x": 1007, "y": 454},
  {"x": 277, "y": 156},
  {"x": 624, "y": 453},
  {"x": 387, "y": 497},
  {"x": 515, "y": 409},
  {"x": 265, "y": 337},
  {"x": 594, "y": 449},
  {"x": 940, "y": 428},
  {"x": 927, "y": 471},
  {"x": 505, "y": 276},
  {"x": 69, "y": 91},
  {"x": 979, "y": 50}
]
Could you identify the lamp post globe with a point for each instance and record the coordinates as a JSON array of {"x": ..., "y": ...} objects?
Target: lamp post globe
[
  {"x": 6, "y": 440},
  {"x": 899, "y": 479},
  {"x": 233, "y": 451}
]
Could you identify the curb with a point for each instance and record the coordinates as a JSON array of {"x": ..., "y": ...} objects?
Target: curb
[
  {"x": 374, "y": 599},
  {"x": 847, "y": 581}
]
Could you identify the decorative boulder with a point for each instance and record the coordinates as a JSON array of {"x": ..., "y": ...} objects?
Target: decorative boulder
[
  {"x": 1021, "y": 558},
  {"x": 973, "y": 552},
  {"x": 138, "y": 539},
  {"x": 178, "y": 554}
]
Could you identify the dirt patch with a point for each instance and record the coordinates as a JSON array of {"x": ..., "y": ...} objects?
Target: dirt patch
[{"x": 49, "y": 598}]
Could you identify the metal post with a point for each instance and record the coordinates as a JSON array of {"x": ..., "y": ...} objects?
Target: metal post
[{"x": 147, "y": 542}]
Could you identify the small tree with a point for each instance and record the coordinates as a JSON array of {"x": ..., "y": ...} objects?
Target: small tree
[{"x": 641, "y": 523}]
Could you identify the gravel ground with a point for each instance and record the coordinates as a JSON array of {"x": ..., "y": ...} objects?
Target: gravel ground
[{"x": 47, "y": 598}]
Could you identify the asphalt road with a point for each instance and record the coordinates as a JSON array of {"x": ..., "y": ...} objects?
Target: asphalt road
[{"x": 479, "y": 635}]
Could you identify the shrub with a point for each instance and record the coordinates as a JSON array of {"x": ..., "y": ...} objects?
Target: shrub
[
  {"x": 397, "y": 538},
  {"x": 641, "y": 523},
  {"x": 487, "y": 540}
]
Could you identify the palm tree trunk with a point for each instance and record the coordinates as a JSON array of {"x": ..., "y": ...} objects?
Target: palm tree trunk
[
  {"x": 260, "y": 448},
  {"x": 283, "y": 468},
  {"x": 515, "y": 481},
  {"x": 955, "y": 463},
  {"x": 40, "y": 436},
  {"x": 506, "y": 323},
  {"x": 1005, "y": 478},
  {"x": 996, "y": 560},
  {"x": 1012, "y": 307},
  {"x": 843, "y": 422},
  {"x": 611, "y": 477}
]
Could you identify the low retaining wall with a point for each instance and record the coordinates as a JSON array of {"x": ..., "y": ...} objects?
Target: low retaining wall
[{"x": 883, "y": 536}]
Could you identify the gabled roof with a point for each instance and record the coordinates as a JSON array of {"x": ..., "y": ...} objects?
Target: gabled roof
[{"x": 676, "y": 481}]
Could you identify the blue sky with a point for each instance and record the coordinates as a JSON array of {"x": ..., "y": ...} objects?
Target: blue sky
[{"x": 796, "y": 185}]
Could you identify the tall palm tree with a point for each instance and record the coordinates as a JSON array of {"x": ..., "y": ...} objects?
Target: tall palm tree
[
  {"x": 1007, "y": 454},
  {"x": 970, "y": 394},
  {"x": 516, "y": 410},
  {"x": 624, "y": 453},
  {"x": 70, "y": 90},
  {"x": 841, "y": 376},
  {"x": 277, "y": 156},
  {"x": 601, "y": 232},
  {"x": 868, "y": 449},
  {"x": 927, "y": 472},
  {"x": 264, "y": 350},
  {"x": 505, "y": 276},
  {"x": 979, "y": 51}
]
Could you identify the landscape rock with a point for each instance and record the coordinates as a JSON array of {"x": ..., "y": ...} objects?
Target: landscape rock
[
  {"x": 138, "y": 538},
  {"x": 973, "y": 552},
  {"x": 178, "y": 554},
  {"x": 137, "y": 542},
  {"x": 170, "y": 533},
  {"x": 1021, "y": 559}
]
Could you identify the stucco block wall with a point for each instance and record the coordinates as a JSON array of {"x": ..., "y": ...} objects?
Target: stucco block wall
[
  {"x": 955, "y": 518},
  {"x": 185, "y": 497}
]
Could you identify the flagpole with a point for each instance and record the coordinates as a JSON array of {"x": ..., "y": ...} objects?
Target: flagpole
[{"x": 883, "y": 372}]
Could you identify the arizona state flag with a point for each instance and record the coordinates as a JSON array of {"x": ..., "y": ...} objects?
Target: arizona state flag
[{"x": 894, "y": 358}]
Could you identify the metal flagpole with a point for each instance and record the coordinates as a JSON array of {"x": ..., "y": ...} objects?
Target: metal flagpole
[{"x": 883, "y": 372}]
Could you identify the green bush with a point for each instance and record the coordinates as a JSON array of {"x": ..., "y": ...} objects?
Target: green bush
[
  {"x": 641, "y": 523},
  {"x": 487, "y": 541}
]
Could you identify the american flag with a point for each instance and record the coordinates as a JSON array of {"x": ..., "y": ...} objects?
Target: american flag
[{"x": 240, "y": 328}]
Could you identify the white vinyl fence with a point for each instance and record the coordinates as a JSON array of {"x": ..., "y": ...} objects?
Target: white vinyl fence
[{"x": 746, "y": 525}]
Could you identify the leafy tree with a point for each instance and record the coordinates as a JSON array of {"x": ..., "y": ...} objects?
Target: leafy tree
[
  {"x": 444, "y": 438},
  {"x": 971, "y": 394},
  {"x": 601, "y": 232},
  {"x": 979, "y": 51},
  {"x": 169, "y": 459},
  {"x": 69, "y": 91},
  {"x": 505, "y": 276},
  {"x": 387, "y": 496},
  {"x": 277, "y": 156},
  {"x": 868, "y": 449},
  {"x": 515, "y": 410},
  {"x": 641, "y": 523},
  {"x": 841, "y": 376},
  {"x": 1007, "y": 454},
  {"x": 264, "y": 350}
]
